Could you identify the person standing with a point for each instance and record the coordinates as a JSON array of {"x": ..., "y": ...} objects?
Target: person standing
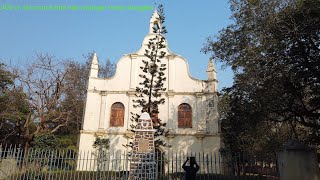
[{"x": 192, "y": 169}]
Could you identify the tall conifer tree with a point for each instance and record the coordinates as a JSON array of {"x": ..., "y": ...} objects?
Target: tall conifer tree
[{"x": 148, "y": 93}]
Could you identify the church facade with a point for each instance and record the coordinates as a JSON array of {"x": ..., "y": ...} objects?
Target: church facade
[{"x": 190, "y": 108}]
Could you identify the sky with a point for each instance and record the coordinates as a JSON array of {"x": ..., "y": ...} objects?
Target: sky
[{"x": 68, "y": 34}]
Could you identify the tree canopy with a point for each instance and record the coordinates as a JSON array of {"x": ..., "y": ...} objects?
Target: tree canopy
[
  {"x": 273, "y": 46},
  {"x": 13, "y": 107},
  {"x": 44, "y": 101}
]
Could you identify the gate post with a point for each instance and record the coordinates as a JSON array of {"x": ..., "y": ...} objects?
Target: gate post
[
  {"x": 297, "y": 161},
  {"x": 143, "y": 165}
]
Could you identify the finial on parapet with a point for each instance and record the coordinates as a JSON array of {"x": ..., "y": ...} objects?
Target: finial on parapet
[
  {"x": 94, "y": 66},
  {"x": 211, "y": 70},
  {"x": 154, "y": 21}
]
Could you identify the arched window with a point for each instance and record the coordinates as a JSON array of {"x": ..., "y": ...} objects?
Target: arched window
[
  {"x": 117, "y": 115},
  {"x": 184, "y": 116}
]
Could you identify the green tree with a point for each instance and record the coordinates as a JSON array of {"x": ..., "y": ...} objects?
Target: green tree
[
  {"x": 45, "y": 98},
  {"x": 102, "y": 146},
  {"x": 46, "y": 142},
  {"x": 6, "y": 78},
  {"x": 244, "y": 129},
  {"x": 148, "y": 92},
  {"x": 14, "y": 108},
  {"x": 273, "y": 46}
]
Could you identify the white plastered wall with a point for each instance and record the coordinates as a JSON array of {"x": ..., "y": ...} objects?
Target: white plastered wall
[{"x": 180, "y": 88}]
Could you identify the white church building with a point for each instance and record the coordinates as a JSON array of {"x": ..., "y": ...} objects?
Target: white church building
[{"x": 190, "y": 108}]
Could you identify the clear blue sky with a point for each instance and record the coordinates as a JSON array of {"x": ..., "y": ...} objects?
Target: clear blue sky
[{"x": 70, "y": 34}]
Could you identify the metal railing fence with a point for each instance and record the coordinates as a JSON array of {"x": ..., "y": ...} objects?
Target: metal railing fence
[{"x": 15, "y": 163}]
